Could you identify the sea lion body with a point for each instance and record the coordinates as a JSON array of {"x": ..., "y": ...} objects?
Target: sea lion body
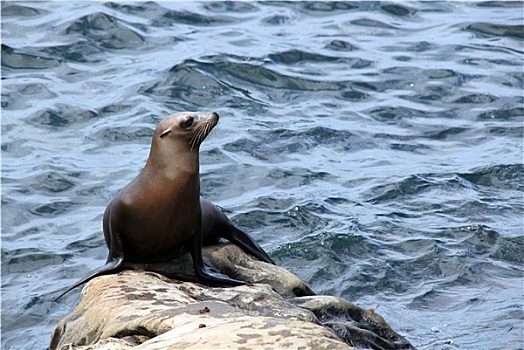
[{"x": 160, "y": 213}]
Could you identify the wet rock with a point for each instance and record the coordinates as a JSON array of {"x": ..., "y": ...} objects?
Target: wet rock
[{"x": 141, "y": 308}]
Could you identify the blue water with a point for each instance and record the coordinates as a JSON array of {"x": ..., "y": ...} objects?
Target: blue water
[{"x": 373, "y": 149}]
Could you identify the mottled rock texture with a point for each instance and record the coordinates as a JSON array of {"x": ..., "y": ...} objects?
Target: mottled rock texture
[{"x": 149, "y": 307}]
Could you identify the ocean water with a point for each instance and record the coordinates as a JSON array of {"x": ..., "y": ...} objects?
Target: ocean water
[{"x": 373, "y": 149}]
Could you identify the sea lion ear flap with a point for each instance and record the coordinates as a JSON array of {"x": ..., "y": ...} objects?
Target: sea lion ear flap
[{"x": 165, "y": 132}]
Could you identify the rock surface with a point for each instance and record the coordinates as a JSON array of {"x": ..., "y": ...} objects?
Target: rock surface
[{"x": 144, "y": 309}]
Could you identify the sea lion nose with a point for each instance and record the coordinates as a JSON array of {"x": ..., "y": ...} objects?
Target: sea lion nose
[{"x": 215, "y": 115}]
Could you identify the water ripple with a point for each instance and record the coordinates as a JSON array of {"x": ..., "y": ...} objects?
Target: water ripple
[{"x": 374, "y": 149}]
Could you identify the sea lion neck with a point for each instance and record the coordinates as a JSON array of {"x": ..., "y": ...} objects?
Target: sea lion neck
[{"x": 173, "y": 162}]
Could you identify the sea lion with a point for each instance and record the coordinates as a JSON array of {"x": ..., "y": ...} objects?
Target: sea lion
[{"x": 160, "y": 212}]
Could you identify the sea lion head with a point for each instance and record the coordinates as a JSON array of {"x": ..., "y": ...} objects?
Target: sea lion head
[{"x": 189, "y": 128}]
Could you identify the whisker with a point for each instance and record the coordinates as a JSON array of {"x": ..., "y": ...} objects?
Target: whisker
[
  {"x": 203, "y": 130},
  {"x": 196, "y": 137},
  {"x": 192, "y": 141}
]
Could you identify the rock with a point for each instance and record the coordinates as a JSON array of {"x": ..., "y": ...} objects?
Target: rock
[{"x": 143, "y": 309}]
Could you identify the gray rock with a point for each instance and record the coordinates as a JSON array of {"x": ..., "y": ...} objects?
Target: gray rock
[{"x": 148, "y": 307}]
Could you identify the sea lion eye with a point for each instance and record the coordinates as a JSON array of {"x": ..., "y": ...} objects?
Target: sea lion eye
[{"x": 188, "y": 122}]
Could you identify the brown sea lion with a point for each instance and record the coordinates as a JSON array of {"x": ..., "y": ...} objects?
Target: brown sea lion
[{"x": 160, "y": 213}]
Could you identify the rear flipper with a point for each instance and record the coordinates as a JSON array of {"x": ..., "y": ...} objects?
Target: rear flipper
[
  {"x": 205, "y": 272},
  {"x": 216, "y": 224},
  {"x": 213, "y": 277},
  {"x": 112, "y": 266},
  {"x": 247, "y": 243}
]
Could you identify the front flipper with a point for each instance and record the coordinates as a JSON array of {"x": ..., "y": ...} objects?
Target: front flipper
[
  {"x": 115, "y": 259},
  {"x": 206, "y": 272},
  {"x": 112, "y": 266}
]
